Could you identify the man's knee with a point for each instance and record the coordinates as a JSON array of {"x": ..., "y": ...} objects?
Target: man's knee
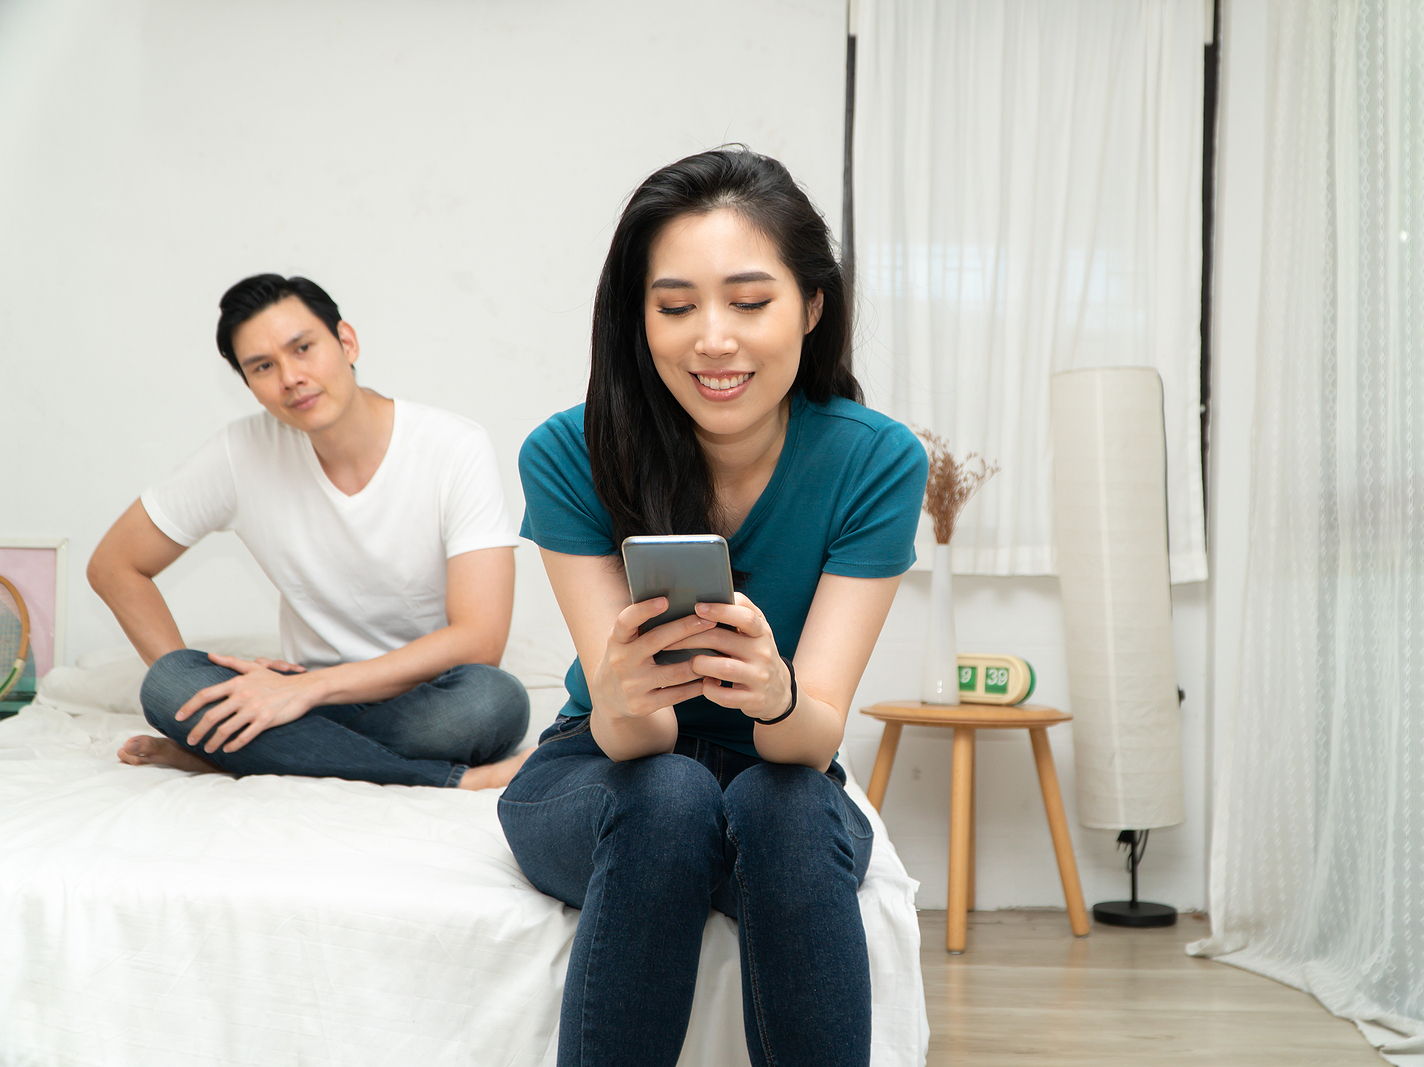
[
  {"x": 170, "y": 681},
  {"x": 496, "y": 698}
]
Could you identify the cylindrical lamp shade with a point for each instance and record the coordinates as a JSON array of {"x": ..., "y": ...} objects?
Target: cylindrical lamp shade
[{"x": 1110, "y": 528}]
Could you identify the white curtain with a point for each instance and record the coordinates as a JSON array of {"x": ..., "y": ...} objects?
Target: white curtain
[
  {"x": 1027, "y": 180},
  {"x": 1318, "y": 844}
]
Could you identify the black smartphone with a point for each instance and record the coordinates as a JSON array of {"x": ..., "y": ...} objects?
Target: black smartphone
[{"x": 688, "y": 569}]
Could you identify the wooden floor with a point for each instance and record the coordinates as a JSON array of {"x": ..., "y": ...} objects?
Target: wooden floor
[{"x": 1026, "y": 992}]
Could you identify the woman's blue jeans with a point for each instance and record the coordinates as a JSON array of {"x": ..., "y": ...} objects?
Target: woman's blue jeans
[
  {"x": 645, "y": 847},
  {"x": 429, "y": 735}
]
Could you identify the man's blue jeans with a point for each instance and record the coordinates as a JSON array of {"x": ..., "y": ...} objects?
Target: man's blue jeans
[
  {"x": 645, "y": 846},
  {"x": 429, "y": 735}
]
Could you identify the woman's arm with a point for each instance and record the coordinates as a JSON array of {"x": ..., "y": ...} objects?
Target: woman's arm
[
  {"x": 632, "y": 696},
  {"x": 841, "y": 630}
]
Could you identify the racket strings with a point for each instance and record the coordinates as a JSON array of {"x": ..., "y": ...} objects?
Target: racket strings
[
  {"x": 12, "y": 630},
  {"x": 13, "y": 637}
]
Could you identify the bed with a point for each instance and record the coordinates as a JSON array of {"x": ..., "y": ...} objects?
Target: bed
[{"x": 151, "y": 917}]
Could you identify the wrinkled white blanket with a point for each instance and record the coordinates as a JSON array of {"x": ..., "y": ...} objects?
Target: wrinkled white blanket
[{"x": 151, "y": 917}]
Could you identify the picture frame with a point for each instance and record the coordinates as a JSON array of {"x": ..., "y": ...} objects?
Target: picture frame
[{"x": 37, "y": 568}]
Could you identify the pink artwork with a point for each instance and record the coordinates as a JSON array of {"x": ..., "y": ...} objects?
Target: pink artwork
[{"x": 35, "y": 573}]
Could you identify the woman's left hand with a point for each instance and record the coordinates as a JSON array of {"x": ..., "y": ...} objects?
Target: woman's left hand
[{"x": 761, "y": 684}]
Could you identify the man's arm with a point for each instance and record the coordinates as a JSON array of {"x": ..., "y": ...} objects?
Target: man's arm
[
  {"x": 122, "y": 570},
  {"x": 479, "y": 601}
]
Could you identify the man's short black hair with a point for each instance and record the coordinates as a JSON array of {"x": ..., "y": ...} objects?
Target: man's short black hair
[{"x": 261, "y": 291}]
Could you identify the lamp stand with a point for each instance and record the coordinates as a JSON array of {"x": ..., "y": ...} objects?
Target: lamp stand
[{"x": 1134, "y": 912}]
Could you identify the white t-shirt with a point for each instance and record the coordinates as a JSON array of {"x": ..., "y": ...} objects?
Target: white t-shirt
[{"x": 359, "y": 575}]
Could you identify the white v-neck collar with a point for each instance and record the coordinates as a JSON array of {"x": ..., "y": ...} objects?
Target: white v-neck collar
[{"x": 330, "y": 488}]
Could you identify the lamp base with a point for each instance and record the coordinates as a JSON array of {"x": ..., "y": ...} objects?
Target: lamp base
[{"x": 1134, "y": 913}]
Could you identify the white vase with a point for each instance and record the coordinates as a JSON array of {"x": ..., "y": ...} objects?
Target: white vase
[{"x": 939, "y": 682}]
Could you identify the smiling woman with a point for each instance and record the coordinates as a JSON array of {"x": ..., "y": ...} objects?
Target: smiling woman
[
  {"x": 720, "y": 399},
  {"x": 758, "y": 222},
  {"x": 724, "y": 320}
]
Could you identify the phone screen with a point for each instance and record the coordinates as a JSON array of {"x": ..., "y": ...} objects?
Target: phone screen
[{"x": 687, "y": 569}]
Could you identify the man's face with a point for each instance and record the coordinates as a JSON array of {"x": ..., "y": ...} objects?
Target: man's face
[{"x": 296, "y": 367}]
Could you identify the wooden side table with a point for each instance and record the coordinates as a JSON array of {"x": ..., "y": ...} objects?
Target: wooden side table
[{"x": 966, "y": 720}]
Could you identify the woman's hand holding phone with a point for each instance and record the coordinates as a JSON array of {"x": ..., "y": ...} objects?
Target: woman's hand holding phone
[
  {"x": 628, "y": 684},
  {"x": 761, "y": 684}
]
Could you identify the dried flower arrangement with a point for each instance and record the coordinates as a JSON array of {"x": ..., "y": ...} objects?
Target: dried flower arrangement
[{"x": 951, "y": 482}]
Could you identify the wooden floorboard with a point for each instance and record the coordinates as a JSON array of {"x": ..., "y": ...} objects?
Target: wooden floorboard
[{"x": 1026, "y": 991}]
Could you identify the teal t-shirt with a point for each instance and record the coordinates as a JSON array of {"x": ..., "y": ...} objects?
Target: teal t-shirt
[{"x": 844, "y": 499}]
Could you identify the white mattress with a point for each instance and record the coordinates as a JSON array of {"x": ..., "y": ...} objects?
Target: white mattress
[{"x": 151, "y": 917}]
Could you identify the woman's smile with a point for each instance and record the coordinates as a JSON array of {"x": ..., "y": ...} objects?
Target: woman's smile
[
  {"x": 721, "y": 386},
  {"x": 725, "y": 318}
]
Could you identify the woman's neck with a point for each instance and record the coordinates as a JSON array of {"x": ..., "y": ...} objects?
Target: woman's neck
[{"x": 742, "y": 465}]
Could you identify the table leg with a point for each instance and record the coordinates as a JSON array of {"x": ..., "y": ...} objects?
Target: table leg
[
  {"x": 960, "y": 829},
  {"x": 884, "y": 760},
  {"x": 1058, "y": 828},
  {"x": 973, "y": 822}
]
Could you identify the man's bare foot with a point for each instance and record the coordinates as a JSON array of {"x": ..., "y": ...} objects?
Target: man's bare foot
[
  {"x": 494, "y": 775},
  {"x": 145, "y": 750}
]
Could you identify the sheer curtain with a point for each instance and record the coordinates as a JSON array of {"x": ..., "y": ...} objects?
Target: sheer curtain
[
  {"x": 1028, "y": 200},
  {"x": 1318, "y": 842}
]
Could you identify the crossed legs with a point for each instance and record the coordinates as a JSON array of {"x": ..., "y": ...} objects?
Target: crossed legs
[{"x": 459, "y": 729}]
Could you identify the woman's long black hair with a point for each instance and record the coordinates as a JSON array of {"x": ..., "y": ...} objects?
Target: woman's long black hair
[{"x": 648, "y": 468}]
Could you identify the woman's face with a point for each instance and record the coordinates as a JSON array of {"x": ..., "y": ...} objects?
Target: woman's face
[{"x": 724, "y": 319}]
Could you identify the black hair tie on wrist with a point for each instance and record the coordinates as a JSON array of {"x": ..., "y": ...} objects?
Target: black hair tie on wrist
[{"x": 772, "y": 722}]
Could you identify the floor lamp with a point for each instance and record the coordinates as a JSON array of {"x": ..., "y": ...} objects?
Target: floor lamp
[{"x": 1110, "y": 529}]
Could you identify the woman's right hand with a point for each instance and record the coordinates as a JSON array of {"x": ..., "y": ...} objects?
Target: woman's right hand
[{"x": 628, "y": 684}]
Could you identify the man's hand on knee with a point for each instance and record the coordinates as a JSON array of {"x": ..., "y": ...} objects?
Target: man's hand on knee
[
  {"x": 262, "y": 695},
  {"x": 281, "y": 666}
]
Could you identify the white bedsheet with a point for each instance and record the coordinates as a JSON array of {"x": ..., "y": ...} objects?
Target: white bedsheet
[{"x": 151, "y": 917}]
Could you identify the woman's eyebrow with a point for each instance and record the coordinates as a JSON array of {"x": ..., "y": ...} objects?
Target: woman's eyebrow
[{"x": 731, "y": 279}]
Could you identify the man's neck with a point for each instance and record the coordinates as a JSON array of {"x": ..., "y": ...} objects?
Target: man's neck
[{"x": 351, "y": 450}]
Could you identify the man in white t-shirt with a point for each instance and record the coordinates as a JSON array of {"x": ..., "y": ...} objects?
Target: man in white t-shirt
[{"x": 383, "y": 526}]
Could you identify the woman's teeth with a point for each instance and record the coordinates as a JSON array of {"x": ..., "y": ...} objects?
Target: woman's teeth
[{"x": 721, "y": 384}]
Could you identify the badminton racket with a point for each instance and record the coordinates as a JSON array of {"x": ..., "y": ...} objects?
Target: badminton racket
[{"x": 14, "y": 635}]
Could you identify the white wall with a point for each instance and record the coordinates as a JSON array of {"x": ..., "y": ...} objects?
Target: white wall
[{"x": 451, "y": 173}]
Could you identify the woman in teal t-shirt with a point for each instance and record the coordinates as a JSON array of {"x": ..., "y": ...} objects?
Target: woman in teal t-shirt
[{"x": 720, "y": 399}]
